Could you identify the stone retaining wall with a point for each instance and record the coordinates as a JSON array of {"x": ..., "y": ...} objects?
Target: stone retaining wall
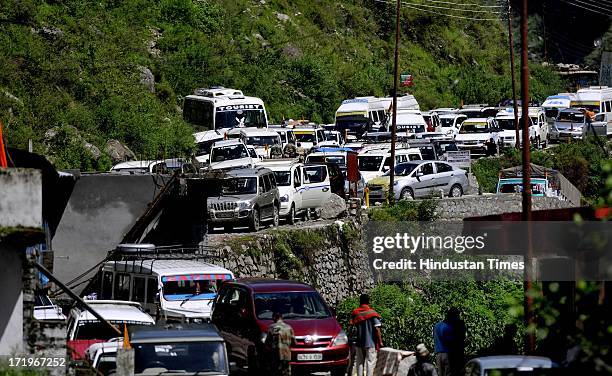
[
  {"x": 329, "y": 257},
  {"x": 475, "y": 206}
]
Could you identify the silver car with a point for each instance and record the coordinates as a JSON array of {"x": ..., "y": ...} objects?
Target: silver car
[
  {"x": 426, "y": 178},
  {"x": 247, "y": 198}
]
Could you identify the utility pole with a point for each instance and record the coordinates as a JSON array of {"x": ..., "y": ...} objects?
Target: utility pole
[
  {"x": 394, "y": 115},
  {"x": 526, "y": 214},
  {"x": 517, "y": 142}
]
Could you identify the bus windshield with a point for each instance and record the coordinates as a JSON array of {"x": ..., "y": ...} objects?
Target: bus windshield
[
  {"x": 195, "y": 287},
  {"x": 240, "y": 118}
]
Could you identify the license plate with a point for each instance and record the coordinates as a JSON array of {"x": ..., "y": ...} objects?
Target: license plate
[
  {"x": 224, "y": 214},
  {"x": 309, "y": 357}
]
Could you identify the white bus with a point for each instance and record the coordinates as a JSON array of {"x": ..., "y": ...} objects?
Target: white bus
[
  {"x": 222, "y": 108},
  {"x": 362, "y": 114},
  {"x": 595, "y": 98},
  {"x": 169, "y": 289}
]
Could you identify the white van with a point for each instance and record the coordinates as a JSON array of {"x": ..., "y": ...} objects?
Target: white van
[
  {"x": 359, "y": 115},
  {"x": 375, "y": 162},
  {"x": 308, "y": 136},
  {"x": 299, "y": 192},
  {"x": 450, "y": 123},
  {"x": 230, "y": 154},
  {"x": 169, "y": 289},
  {"x": 595, "y": 98},
  {"x": 261, "y": 139}
]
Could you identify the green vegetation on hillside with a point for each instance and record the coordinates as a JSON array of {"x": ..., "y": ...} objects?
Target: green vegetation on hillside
[{"x": 70, "y": 70}]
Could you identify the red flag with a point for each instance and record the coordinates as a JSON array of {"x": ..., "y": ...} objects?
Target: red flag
[{"x": 3, "y": 162}]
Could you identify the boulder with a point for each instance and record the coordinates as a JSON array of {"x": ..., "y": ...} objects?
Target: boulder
[
  {"x": 93, "y": 150},
  {"x": 147, "y": 78},
  {"x": 334, "y": 208},
  {"x": 282, "y": 17},
  {"x": 119, "y": 152}
]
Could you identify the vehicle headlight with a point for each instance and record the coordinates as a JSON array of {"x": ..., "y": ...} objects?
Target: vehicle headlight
[
  {"x": 341, "y": 339},
  {"x": 284, "y": 198},
  {"x": 244, "y": 204}
]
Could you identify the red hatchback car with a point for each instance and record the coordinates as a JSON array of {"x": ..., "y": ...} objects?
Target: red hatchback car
[{"x": 243, "y": 311}]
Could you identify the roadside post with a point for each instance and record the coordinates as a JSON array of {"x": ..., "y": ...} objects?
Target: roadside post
[{"x": 391, "y": 196}]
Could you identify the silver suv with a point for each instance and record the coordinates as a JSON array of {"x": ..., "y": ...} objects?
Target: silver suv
[{"x": 247, "y": 198}]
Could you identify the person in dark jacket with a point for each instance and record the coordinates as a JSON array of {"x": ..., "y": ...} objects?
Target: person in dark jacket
[{"x": 422, "y": 367}]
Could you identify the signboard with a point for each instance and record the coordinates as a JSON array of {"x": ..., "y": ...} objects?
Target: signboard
[
  {"x": 460, "y": 158},
  {"x": 236, "y": 107},
  {"x": 406, "y": 79}
]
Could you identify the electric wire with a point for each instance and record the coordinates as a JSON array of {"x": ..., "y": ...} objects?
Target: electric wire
[{"x": 440, "y": 13}]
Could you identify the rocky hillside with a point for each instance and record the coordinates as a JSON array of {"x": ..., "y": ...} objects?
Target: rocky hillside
[{"x": 76, "y": 74}]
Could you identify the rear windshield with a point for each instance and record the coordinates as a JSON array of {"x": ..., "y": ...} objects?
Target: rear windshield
[
  {"x": 292, "y": 305},
  {"x": 283, "y": 178},
  {"x": 97, "y": 330},
  {"x": 369, "y": 162},
  {"x": 203, "y": 358}
]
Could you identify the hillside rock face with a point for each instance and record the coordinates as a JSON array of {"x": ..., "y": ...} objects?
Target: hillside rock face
[{"x": 119, "y": 152}]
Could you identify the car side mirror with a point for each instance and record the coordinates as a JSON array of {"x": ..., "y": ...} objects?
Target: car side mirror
[
  {"x": 385, "y": 168},
  {"x": 296, "y": 184},
  {"x": 261, "y": 190}
]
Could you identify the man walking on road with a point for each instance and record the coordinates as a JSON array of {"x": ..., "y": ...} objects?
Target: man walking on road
[
  {"x": 369, "y": 338},
  {"x": 279, "y": 339}
]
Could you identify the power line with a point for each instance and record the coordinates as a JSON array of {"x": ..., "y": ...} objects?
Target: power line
[
  {"x": 451, "y": 15},
  {"x": 409, "y": 5},
  {"x": 445, "y": 8},
  {"x": 583, "y": 7},
  {"x": 593, "y": 4},
  {"x": 466, "y": 4}
]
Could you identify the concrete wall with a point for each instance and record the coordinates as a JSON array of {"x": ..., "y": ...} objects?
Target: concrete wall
[
  {"x": 21, "y": 198},
  {"x": 325, "y": 256},
  {"x": 474, "y": 206},
  {"x": 101, "y": 209},
  {"x": 20, "y": 223}
]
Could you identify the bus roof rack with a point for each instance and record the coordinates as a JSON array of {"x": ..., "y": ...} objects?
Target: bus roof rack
[{"x": 150, "y": 251}]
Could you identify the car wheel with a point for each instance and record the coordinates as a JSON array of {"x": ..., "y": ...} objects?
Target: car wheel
[
  {"x": 406, "y": 194},
  {"x": 255, "y": 220},
  {"x": 275, "y": 217},
  {"x": 291, "y": 215},
  {"x": 456, "y": 191}
]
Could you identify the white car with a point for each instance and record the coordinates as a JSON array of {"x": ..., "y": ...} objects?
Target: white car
[
  {"x": 475, "y": 133},
  {"x": 45, "y": 310},
  {"x": 375, "y": 162},
  {"x": 308, "y": 136},
  {"x": 84, "y": 329},
  {"x": 450, "y": 123},
  {"x": 332, "y": 139},
  {"x": 229, "y": 154},
  {"x": 261, "y": 139},
  {"x": 301, "y": 188},
  {"x": 204, "y": 141},
  {"x": 102, "y": 356}
]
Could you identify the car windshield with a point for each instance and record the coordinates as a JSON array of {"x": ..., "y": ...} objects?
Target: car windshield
[
  {"x": 229, "y": 152},
  {"x": 239, "y": 186},
  {"x": 506, "y": 124},
  {"x": 181, "y": 357},
  {"x": 263, "y": 140},
  {"x": 292, "y": 305},
  {"x": 94, "y": 329},
  {"x": 570, "y": 116},
  {"x": 474, "y": 127},
  {"x": 331, "y": 136},
  {"x": 305, "y": 137},
  {"x": 283, "y": 178},
  {"x": 240, "y": 118},
  {"x": 369, "y": 162},
  {"x": 205, "y": 146},
  {"x": 403, "y": 169},
  {"x": 194, "y": 287}
]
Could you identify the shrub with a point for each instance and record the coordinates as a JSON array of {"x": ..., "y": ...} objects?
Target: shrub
[{"x": 405, "y": 210}]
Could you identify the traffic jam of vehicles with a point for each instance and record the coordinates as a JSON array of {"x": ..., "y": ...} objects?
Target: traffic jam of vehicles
[{"x": 209, "y": 321}]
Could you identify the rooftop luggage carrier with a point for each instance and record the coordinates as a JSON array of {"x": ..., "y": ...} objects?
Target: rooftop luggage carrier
[{"x": 128, "y": 252}]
